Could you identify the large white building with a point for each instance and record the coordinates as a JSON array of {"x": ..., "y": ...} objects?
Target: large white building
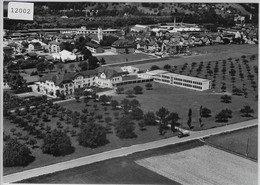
[{"x": 168, "y": 78}]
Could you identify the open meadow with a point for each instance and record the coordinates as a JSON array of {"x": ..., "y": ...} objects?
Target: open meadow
[{"x": 243, "y": 142}]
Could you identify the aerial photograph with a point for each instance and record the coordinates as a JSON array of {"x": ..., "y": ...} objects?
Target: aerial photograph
[{"x": 130, "y": 93}]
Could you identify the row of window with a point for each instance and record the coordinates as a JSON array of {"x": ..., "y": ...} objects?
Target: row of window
[
  {"x": 188, "y": 85},
  {"x": 164, "y": 76},
  {"x": 188, "y": 81},
  {"x": 197, "y": 87},
  {"x": 178, "y": 79},
  {"x": 199, "y": 83},
  {"x": 168, "y": 81}
]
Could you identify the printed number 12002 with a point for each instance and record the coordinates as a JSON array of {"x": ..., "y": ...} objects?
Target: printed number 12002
[{"x": 20, "y": 10}]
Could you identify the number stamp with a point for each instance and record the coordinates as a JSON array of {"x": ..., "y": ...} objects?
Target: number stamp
[{"x": 21, "y": 11}]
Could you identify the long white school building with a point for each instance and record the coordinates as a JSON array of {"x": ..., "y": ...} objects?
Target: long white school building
[{"x": 189, "y": 82}]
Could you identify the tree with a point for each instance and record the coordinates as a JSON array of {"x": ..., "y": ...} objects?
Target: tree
[
  {"x": 246, "y": 111},
  {"x": 41, "y": 66},
  {"x": 173, "y": 119},
  {"x": 226, "y": 99},
  {"x": 50, "y": 66},
  {"x": 141, "y": 125},
  {"x": 16, "y": 154},
  {"x": 92, "y": 135},
  {"x": 148, "y": 86},
  {"x": 105, "y": 99},
  {"x": 93, "y": 62},
  {"x": 149, "y": 118},
  {"x": 99, "y": 117},
  {"x": 223, "y": 87},
  {"x": 125, "y": 128},
  {"x": 154, "y": 67},
  {"x": 137, "y": 113},
  {"x": 32, "y": 142},
  {"x": 205, "y": 112},
  {"x": 223, "y": 115},
  {"x": 162, "y": 113},
  {"x": 190, "y": 119},
  {"x": 135, "y": 103},
  {"x": 119, "y": 90},
  {"x": 57, "y": 143},
  {"x": 114, "y": 104},
  {"x": 129, "y": 93},
  {"x": 126, "y": 105},
  {"x": 83, "y": 65},
  {"x": 167, "y": 67},
  {"x": 102, "y": 61},
  {"x": 138, "y": 90}
]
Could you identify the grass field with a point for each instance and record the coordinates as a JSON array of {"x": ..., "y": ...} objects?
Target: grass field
[
  {"x": 203, "y": 165},
  {"x": 208, "y": 53},
  {"x": 179, "y": 100},
  {"x": 150, "y": 134},
  {"x": 110, "y": 59},
  {"x": 237, "y": 141},
  {"x": 121, "y": 170}
]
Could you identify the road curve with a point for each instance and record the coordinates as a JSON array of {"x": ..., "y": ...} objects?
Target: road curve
[{"x": 122, "y": 152}]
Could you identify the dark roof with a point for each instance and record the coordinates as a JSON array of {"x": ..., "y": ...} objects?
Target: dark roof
[
  {"x": 60, "y": 78},
  {"x": 92, "y": 45},
  {"x": 54, "y": 43},
  {"x": 111, "y": 72},
  {"x": 123, "y": 43}
]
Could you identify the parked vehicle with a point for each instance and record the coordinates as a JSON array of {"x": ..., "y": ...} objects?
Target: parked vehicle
[{"x": 184, "y": 133}]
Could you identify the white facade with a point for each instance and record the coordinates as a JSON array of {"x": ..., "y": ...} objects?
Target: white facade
[
  {"x": 130, "y": 69},
  {"x": 103, "y": 81},
  {"x": 189, "y": 82}
]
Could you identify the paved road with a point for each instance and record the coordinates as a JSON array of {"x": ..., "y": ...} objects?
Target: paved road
[{"x": 122, "y": 152}]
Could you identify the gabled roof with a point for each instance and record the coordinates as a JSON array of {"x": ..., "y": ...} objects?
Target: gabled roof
[
  {"x": 111, "y": 72},
  {"x": 92, "y": 45},
  {"x": 123, "y": 43},
  {"x": 54, "y": 43}
]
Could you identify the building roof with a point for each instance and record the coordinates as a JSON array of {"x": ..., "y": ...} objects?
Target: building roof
[
  {"x": 123, "y": 43},
  {"x": 111, "y": 71},
  {"x": 92, "y": 45},
  {"x": 58, "y": 79},
  {"x": 54, "y": 43},
  {"x": 174, "y": 75}
]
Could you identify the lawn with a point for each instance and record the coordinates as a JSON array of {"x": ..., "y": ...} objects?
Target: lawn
[
  {"x": 121, "y": 170},
  {"x": 179, "y": 100},
  {"x": 150, "y": 134},
  {"x": 242, "y": 142},
  {"x": 111, "y": 59}
]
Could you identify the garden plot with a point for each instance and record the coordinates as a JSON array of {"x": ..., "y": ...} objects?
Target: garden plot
[{"x": 203, "y": 165}]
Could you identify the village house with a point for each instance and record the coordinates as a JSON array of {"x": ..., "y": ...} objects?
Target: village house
[
  {"x": 54, "y": 47},
  {"x": 123, "y": 46},
  {"x": 94, "y": 47}
]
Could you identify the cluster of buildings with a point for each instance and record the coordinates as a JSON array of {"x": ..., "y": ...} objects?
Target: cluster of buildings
[{"x": 111, "y": 77}]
